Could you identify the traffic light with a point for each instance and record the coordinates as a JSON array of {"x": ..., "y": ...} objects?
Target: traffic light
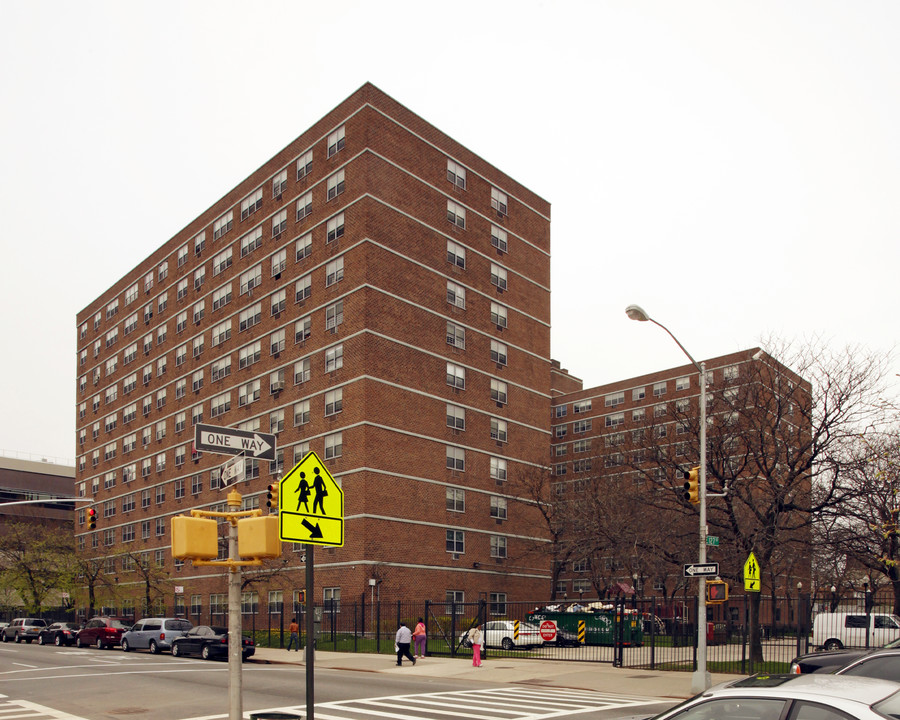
[
  {"x": 91, "y": 519},
  {"x": 301, "y": 597},
  {"x": 194, "y": 538},
  {"x": 716, "y": 592},
  {"x": 692, "y": 485},
  {"x": 272, "y": 496}
]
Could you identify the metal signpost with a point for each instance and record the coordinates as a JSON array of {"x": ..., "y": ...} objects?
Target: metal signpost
[{"x": 310, "y": 511}]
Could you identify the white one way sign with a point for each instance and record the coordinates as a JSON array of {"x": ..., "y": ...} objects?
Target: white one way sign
[{"x": 228, "y": 441}]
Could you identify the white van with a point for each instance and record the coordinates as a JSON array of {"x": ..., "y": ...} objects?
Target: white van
[{"x": 834, "y": 631}]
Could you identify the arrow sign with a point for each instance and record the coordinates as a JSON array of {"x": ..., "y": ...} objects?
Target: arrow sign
[
  {"x": 696, "y": 570},
  {"x": 229, "y": 441},
  {"x": 315, "y": 532}
]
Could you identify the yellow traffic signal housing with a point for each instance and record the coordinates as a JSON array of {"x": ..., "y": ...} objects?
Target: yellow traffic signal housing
[
  {"x": 91, "y": 518},
  {"x": 716, "y": 592},
  {"x": 272, "y": 496},
  {"x": 692, "y": 485},
  {"x": 194, "y": 538},
  {"x": 258, "y": 537},
  {"x": 301, "y": 597}
]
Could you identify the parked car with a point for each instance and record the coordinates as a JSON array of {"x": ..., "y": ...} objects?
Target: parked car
[
  {"x": 20, "y": 629},
  {"x": 762, "y": 697},
  {"x": 831, "y": 661},
  {"x": 209, "y": 642},
  {"x": 61, "y": 633},
  {"x": 564, "y": 638},
  {"x": 154, "y": 634},
  {"x": 103, "y": 632},
  {"x": 502, "y": 634},
  {"x": 835, "y": 631}
]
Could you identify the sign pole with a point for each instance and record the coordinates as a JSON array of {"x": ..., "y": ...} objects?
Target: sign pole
[
  {"x": 235, "y": 634},
  {"x": 310, "y": 634}
]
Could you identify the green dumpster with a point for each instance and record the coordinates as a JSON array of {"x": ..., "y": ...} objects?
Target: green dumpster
[{"x": 599, "y": 625}]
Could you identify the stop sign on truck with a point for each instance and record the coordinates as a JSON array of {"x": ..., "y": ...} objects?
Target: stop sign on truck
[{"x": 548, "y": 630}]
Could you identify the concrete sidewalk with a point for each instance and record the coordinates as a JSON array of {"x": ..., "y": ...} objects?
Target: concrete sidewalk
[{"x": 601, "y": 677}]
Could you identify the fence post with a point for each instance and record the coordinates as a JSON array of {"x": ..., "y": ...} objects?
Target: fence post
[
  {"x": 427, "y": 618},
  {"x": 377, "y": 609},
  {"x": 453, "y": 628}
]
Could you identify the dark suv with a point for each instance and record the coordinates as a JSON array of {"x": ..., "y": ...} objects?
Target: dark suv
[
  {"x": 103, "y": 632},
  {"x": 20, "y": 629}
]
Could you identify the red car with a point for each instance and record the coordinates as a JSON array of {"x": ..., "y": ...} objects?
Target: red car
[{"x": 103, "y": 632}]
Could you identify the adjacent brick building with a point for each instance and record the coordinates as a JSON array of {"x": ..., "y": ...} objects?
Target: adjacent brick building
[{"x": 376, "y": 293}]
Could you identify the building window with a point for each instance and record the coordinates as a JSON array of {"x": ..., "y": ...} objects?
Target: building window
[
  {"x": 456, "y": 254},
  {"x": 499, "y": 238},
  {"x": 334, "y": 315},
  {"x": 332, "y": 599},
  {"x": 302, "y": 329},
  {"x": 334, "y": 228},
  {"x": 456, "y": 417},
  {"x": 304, "y": 207},
  {"x": 304, "y": 247},
  {"x": 498, "y": 391},
  {"x": 498, "y": 546},
  {"x": 456, "y": 376},
  {"x": 498, "y": 469},
  {"x": 301, "y": 413},
  {"x": 251, "y": 204},
  {"x": 249, "y": 355},
  {"x": 456, "y": 174},
  {"x": 612, "y": 420},
  {"x": 456, "y": 294},
  {"x": 336, "y": 142},
  {"x": 729, "y": 373},
  {"x": 498, "y": 430},
  {"x": 456, "y": 335},
  {"x": 223, "y": 225},
  {"x": 498, "y": 353},
  {"x": 304, "y": 164},
  {"x": 456, "y": 459},
  {"x": 334, "y": 358},
  {"x": 334, "y": 445},
  {"x": 279, "y": 183},
  {"x": 499, "y": 315},
  {"x": 456, "y": 542},
  {"x": 335, "y": 184},
  {"x": 334, "y": 271},
  {"x": 301, "y": 371},
  {"x": 456, "y": 499},
  {"x": 221, "y": 297},
  {"x": 334, "y": 401},
  {"x": 659, "y": 389},
  {"x": 682, "y": 383},
  {"x": 276, "y": 342},
  {"x": 456, "y": 214},
  {"x": 498, "y": 276},
  {"x": 251, "y": 279},
  {"x": 498, "y": 507},
  {"x": 499, "y": 201}
]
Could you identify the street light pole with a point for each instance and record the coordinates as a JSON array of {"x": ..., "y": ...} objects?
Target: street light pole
[{"x": 701, "y": 679}]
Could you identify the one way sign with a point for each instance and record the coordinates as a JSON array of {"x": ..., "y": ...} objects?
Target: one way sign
[{"x": 228, "y": 441}]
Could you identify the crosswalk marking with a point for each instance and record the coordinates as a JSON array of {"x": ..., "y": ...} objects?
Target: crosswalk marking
[
  {"x": 509, "y": 703},
  {"x": 15, "y": 709}
]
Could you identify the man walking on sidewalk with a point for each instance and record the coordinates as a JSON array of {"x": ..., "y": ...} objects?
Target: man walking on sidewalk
[
  {"x": 402, "y": 641},
  {"x": 294, "y": 630}
]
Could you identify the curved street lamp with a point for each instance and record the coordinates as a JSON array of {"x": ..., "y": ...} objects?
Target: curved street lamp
[{"x": 701, "y": 679}]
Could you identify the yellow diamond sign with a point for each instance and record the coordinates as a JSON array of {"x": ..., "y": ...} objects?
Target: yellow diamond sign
[
  {"x": 310, "y": 505},
  {"x": 751, "y": 574}
]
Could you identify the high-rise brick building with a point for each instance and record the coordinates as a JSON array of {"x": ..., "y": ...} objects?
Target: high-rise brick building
[{"x": 376, "y": 293}]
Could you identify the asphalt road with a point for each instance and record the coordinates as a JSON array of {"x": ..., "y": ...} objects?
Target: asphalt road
[{"x": 68, "y": 683}]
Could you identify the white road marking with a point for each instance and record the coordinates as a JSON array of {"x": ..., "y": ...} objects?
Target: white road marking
[
  {"x": 510, "y": 703},
  {"x": 13, "y": 709}
]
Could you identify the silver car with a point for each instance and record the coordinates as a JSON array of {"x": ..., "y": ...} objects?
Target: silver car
[
  {"x": 154, "y": 634},
  {"x": 769, "y": 697}
]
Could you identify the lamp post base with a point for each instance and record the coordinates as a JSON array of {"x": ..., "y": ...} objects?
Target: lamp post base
[{"x": 700, "y": 681}]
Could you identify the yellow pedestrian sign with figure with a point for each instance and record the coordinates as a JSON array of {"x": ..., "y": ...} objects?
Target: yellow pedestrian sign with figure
[
  {"x": 751, "y": 574},
  {"x": 310, "y": 505}
]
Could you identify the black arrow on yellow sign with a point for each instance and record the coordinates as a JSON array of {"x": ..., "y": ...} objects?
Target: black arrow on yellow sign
[{"x": 315, "y": 532}]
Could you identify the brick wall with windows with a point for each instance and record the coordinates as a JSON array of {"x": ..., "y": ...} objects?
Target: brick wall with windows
[{"x": 366, "y": 190}]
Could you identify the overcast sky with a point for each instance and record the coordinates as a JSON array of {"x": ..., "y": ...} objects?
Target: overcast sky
[{"x": 733, "y": 167}]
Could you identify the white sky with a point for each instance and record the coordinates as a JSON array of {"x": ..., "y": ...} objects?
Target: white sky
[{"x": 733, "y": 167}]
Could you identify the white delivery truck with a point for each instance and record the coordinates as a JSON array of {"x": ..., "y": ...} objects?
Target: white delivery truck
[{"x": 834, "y": 631}]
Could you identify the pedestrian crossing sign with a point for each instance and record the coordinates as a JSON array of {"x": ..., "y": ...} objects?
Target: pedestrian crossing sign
[{"x": 310, "y": 505}]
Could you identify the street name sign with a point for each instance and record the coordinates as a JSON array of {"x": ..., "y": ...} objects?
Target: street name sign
[
  {"x": 698, "y": 570},
  {"x": 230, "y": 441},
  {"x": 310, "y": 505},
  {"x": 712, "y": 540},
  {"x": 751, "y": 574}
]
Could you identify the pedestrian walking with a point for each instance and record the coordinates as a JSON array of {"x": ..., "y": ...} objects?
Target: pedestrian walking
[
  {"x": 402, "y": 641},
  {"x": 476, "y": 637},
  {"x": 419, "y": 636},
  {"x": 294, "y": 630}
]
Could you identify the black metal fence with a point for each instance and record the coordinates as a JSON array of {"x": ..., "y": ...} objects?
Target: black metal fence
[{"x": 744, "y": 635}]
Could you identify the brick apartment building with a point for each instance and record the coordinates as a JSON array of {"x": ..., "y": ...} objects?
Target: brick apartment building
[
  {"x": 376, "y": 293},
  {"x": 643, "y": 431}
]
